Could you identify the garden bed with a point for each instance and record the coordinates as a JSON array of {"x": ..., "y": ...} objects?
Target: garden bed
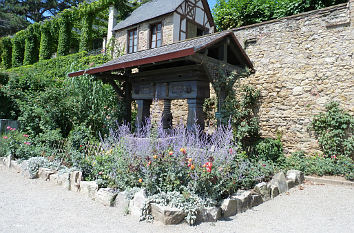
[{"x": 163, "y": 206}]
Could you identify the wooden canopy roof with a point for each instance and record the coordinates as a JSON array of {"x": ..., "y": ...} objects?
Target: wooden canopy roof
[{"x": 212, "y": 44}]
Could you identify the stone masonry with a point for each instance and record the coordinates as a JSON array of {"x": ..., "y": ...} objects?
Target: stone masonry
[{"x": 302, "y": 62}]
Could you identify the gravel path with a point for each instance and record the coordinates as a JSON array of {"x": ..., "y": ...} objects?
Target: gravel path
[{"x": 38, "y": 206}]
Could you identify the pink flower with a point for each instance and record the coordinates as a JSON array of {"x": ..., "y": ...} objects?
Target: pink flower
[
  {"x": 8, "y": 127},
  {"x": 333, "y": 157},
  {"x": 100, "y": 173},
  {"x": 25, "y": 135},
  {"x": 13, "y": 129},
  {"x": 27, "y": 143},
  {"x": 263, "y": 165},
  {"x": 230, "y": 150},
  {"x": 5, "y": 137}
]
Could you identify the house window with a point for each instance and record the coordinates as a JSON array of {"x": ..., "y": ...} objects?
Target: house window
[
  {"x": 156, "y": 35},
  {"x": 133, "y": 40}
]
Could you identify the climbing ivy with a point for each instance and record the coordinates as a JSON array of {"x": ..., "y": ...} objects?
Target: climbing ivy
[
  {"x": 65, "y": 26},
  {"x": 18, "y": 48},
  {"x": 86, "y": 33},
  {"x": 32, "y": 44},
  {"x": 6, "y": 52},
  {"x": 46, "y": 45}
]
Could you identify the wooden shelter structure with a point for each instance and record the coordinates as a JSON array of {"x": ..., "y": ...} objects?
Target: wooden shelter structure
[{"x": 182, "y": 70}]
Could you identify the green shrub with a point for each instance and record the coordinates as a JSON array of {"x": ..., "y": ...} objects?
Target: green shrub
[
  {"x": 320, "y": 165},
  {"x": 32, "y": 44},
  {"x": 334, "y": 131},
  {"x": 268, "y": 149},
  {"x": 49, "y": 100},
  {"x": 6, "y": 55}
]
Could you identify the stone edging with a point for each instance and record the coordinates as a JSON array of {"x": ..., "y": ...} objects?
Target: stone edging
[
  {"x": 320, "y": 180},
  {"x": 237, "y": 203}
]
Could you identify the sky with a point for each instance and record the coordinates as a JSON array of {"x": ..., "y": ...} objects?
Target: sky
[{"x": 211, "y": 4}]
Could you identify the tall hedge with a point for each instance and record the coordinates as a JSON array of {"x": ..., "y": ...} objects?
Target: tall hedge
[
  {"x": 86, "y": 32},
  {"x": 46, "y": 45},
  {"x": 32, "y": 44},
  {"x": 6, "y": 52},
  {"x": 18, "y": 48},
  {"x": 65, "y": 26}
]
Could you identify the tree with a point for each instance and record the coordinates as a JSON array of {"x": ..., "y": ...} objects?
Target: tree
[
  {"x": 36, "y": 10},
  {"x": 235, "y": 13}
]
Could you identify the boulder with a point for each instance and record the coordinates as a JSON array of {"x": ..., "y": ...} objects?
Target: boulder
[
  {"x": 296, "y": 176},
  {"x": 137, "y": 204},
  {"x": 209, "y": 214},
  {"x": 75, "y": 178},
  {"x": 122, "y": 202},
  {"x": 229, "y": 207},
  {"x": 263, "y": 190},
  {"x": 291, "y": 184},
  {"x": 44, "y": 173},
  {"x": 2, "y": 160},
  {"x": 89, "y": 188},
  {"x": 279, "y": 180},
  {"x": 166, "y": 214},
  {"x": 244, "y": 201},
  {"x": 106, "y": 196},
  {"x": 256, "y": 200}
]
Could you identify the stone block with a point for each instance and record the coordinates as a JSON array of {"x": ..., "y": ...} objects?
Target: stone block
[
  {"x": 244, "y": 201},
  {"x": 137, "y": 204},
  {"x": 63, "y": 179},
  {"x": 75, "y": 179},
  {"x": 44, "y": 173},
  {"x": 274, "y": 191},
  {"x": 26, "y": 173},
  {"x": 263, "y": 190},
  {"x": 229, "y": 207},
  {"x": 89, "y": 188},
  {"x": 279, "y": 180},
  {"x": 166, "y": 214},
  {"x": 209, "y": 214},
  {"x": 122, "y": 202},
  {"x": 16, "y": 166},
  {"x": 256, "y": 200},
  {"x": 296, "y": 176},
  {"x": 106, "y": 196}
]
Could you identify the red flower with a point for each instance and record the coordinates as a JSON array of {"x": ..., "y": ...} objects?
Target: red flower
[
  {"x": 149, "y": 163},
  {"x": 25, "y": 135},
  {"x": 81, "y": 145},
  {"x": 5, "y": 137},
  {"x": 208, "y": 169},
  {"x": 263, "y": 165},
  {"x": 208, "y": 166},
  {"x": 27, "y": 143},
  {"x": 170, "y": 153}
]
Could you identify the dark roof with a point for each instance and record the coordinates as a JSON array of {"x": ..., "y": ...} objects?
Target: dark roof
[
  {"x": 163, "y": 53},
  {"x": 148, "y": 11}
]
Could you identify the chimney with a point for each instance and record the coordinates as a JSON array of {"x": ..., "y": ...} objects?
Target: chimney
[{"x": 111, "y": 23}]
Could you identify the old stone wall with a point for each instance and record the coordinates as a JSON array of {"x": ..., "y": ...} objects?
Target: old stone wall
[{"x": 302, "y": 62}]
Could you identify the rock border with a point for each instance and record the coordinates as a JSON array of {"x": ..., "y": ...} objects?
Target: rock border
[{"x": 240, "y": 202}]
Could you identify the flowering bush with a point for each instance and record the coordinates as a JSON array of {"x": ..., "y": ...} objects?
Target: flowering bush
[
  {"x": 178, "y": 161},
  {"x": 17, "y": 144}
]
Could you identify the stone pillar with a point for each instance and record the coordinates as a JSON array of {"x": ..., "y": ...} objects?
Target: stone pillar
[
  {"x": 143, "y": 112},
  {"x": 167, "y": 115},
  {"x": 195, "y": 114}
]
